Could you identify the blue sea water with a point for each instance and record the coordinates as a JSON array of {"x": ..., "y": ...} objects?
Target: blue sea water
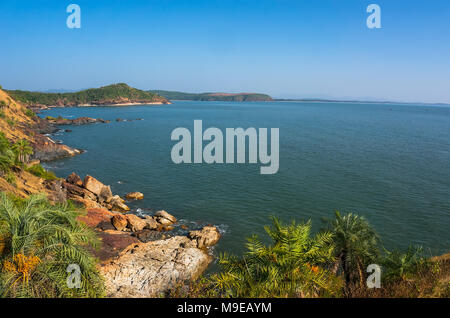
[{"x": 388, "y": 162}]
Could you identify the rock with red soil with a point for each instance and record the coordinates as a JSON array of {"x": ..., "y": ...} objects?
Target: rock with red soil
[{"x": 94, "y": 216}]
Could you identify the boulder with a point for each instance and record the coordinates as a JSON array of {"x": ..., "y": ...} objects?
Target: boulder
[
  {"x": 74, "y": 190},
  {"x": 165, "y": 218},
  {"x": 93, "y": 185},
  {"x": 118, "y": 205},
  {"x": 150, "y": 223},
  {"x": 134, "y": 196},
  {"x": 207, "y": 236},
  {"x": 135, "y": 223},
  {"x": 151, "y": 269},
  {"x": 119, "y": 221},
  {"x": 105, "y": 194},
  {"x": 94, "y": 216},
  {"x": 74, "y": 179}
]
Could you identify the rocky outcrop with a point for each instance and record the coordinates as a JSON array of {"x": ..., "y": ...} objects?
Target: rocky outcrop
[
  {"x": 77, "y": 121},
  {"x": 46, "y": 149},
  {"x": 92, "y": 193},
  {"x": 151, "y": 269},
  {"x": 206, "y": 237}
]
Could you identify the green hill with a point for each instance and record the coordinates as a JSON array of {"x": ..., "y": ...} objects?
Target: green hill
[
  {"x": 115, "y": 94},
  {"x": 240, "y": 97}
]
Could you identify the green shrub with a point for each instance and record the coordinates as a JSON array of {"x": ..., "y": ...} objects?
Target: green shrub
[
  {"x": 11, "y": 178},
  {"x": 40, "y": 172},
  {"x": 30, "y": 113},
  {"x": 10, "y": 122},
  {"x": 2, "y": 114},
  {"x": 2, "y": 104}
]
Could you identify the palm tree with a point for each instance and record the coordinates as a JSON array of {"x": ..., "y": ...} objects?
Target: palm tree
[
  {"x": 294, "y": 265},
  {"x": 356, "y": 245},
  {"x": 22, "y": 150},
  {"x": 40, "y": 241}
]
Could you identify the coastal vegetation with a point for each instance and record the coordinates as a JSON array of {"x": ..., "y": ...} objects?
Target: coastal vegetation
[
  {"x": 225, "y": 97},
  {"x": 38, "y": 242},
  {"x": 111, "y": 94},
  {"x": 330, "y": 263}
]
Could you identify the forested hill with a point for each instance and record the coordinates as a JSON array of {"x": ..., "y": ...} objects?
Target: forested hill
[
  {"x": 240, "y": 97},
  {"x": 116, "y": 94}
]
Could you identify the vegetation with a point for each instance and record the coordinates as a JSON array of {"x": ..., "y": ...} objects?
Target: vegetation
[
  {"x": 96, "y": 96},
  {"x": 243, "y": 97},
  {"x": 38, "y": 243},
  {"x": 39, "y": 171},
  {"x": 22, "y": 151},
  {"x": 331, "y": 263},
  {"x": 355, "y": 245},
  {"x": 30, "y": 113},
  {"x": 294, "y": 265}
]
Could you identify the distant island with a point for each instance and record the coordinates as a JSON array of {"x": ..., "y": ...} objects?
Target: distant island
[
  {"x": 117, "y": 95},
  {"x": 224, "y": 97}
]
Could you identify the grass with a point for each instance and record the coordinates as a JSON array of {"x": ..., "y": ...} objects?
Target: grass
[{"x": 39, "y": 171}]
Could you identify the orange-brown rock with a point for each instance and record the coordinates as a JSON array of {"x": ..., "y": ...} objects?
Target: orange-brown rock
[
  {"x": 134, "y": 196},
  {"x": 119, "y": 221},
  {"x": 207, "y": 236},
  {"x": 135, "y": 223},
  {"x": 75, "y": 179},
  {"x": 165, "y": 218},
  {"x": 93, "y": 185},
  {"x": 94, "y": 216}
]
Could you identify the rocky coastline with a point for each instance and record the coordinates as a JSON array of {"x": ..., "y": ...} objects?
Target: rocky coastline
[{"x": 139, "y": 256}]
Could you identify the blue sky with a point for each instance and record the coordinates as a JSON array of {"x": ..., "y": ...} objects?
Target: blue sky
[{"x": 281, "y": 47}]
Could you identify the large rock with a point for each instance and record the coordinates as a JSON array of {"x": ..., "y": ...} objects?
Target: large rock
[
  {"x": 118, "y": 205},
  {"x": 135, "y": 223},
  {"x": 152, "y": 269},
  {"x": 134, "y": 196},
  {"x": 75, "y": 179},
  {"x": 119, "y": 221},
  {"x": 94, "y": 216},
  {"x": 74, "y": 190},
  {"x": 150, "y": 223},
  {"x": 105, "y": 194},
  {"x": 165, "y": 218},
  {"x": 207, "y": 236},
  {"x": 93, "y": 185}
]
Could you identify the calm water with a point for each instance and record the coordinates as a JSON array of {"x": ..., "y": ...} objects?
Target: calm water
[{"x": 390, "y": 163}]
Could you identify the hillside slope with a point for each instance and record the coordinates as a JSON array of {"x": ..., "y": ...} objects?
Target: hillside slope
[
  {"x": 116, "y": 94},
  {"x": 239, "y": 97}
]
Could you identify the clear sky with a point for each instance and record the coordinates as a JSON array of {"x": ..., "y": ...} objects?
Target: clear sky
[{"x": 285, "y": 48}]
